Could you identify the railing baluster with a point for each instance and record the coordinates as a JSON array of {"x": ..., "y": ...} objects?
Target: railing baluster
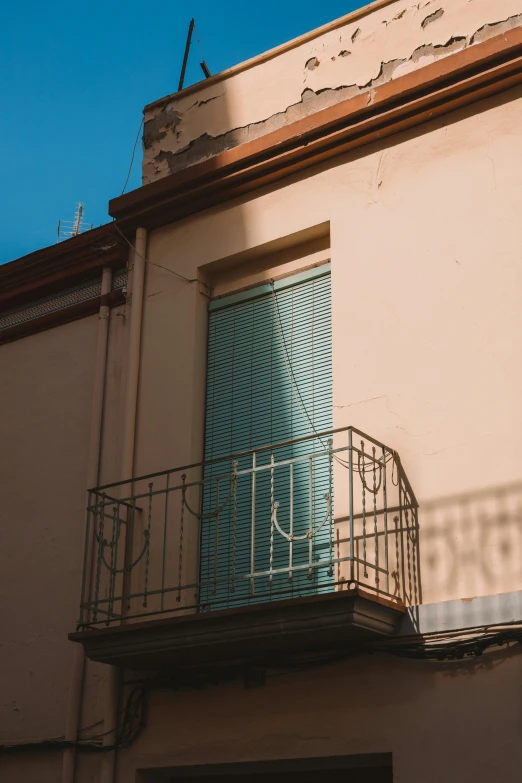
[
  {"x": 100, "y": 527},
  {"x": 414, "y": 552},
  {"x": 363, "y": 480},
  {"x": 180, "y": 552},
  {"x": 385, "y": 521},
  {"x": 291, "y": 542},
  {"x": 147, "y": 544},
  {"x": 253, "y": 527},
  {"x": 350, "y": 490},
  {"x": 234, "y": 540},
  {"x": 400, "y": 560},
  {"x": 330, "y": 494},
  {"x": 164, "y": 553},
  {"x": 408, "y": 548},
  {"x": 88, "y": 549},
  {"x": 113, "y": 564},
  {"x": 129, "y": 550},
  {"x": 375, "y": 531},
  {"x": 116, "y": 546},
  {"x": 310, "y": 519},
  {"x": 272, "y": 500},
  {"x": 216, "y": 540}
]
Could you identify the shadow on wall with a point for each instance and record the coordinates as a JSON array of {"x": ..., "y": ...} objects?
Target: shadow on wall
[{"x": 471, "y": 544}]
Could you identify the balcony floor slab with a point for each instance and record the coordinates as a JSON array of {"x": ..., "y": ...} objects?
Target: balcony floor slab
[{"x": 245, "y": 635}]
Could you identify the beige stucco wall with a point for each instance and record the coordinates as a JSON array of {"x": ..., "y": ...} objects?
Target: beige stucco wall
[
  {"x": 343, "y": 59},
  {"x": 45, "y": 399},
  {"x": 424, "y": 236},
  {"x": 46, "y": 383},
  {"x": 456, "y": 722},
  {"x": 424, "y": 241},
  {"x": 427, "y": 318}
]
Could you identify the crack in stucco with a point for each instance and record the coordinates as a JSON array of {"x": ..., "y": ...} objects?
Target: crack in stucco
[
  {"x": 359, "y": 402},
  {"x": 209, "y": 100},
  {"x": 207, "y": 145}
]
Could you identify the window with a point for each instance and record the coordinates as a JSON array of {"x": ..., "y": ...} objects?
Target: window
[{"x": 269, "y": 380}]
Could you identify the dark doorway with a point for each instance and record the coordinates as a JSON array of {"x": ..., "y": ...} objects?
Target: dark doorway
[
  {"x": 365, "y": 775},
  {"x": 367, "y": 768}
]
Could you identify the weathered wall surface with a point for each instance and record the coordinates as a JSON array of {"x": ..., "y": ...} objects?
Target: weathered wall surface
[
  {"x": 424, "y": 235},
  {"x": 458, "y": 722},
  {"x": 46, "y": 384},
  {"x": 427, "y": 324},
  {"x": 45, "y": 404},
  {"x": 353, "y": 57}
]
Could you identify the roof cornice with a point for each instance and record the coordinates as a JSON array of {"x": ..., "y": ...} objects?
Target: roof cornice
[
  {"x": 353, "y": 16},
  {"x": 450, "y": 83},
  {"x": 57, "y": 267}
]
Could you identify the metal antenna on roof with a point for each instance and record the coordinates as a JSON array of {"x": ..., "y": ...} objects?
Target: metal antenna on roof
[
  {"x": 185, "y": 56},
  {"x": 204, "y": 67},
  {"x": 71, "y": 228}
]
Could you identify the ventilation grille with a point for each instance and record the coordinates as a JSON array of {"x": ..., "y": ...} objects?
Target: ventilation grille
[
  {"x": 119, "y": 279},
  {"x": 51, "y": 304}
]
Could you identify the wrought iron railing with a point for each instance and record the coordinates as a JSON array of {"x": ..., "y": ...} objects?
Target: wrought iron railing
[{"x": 301, "y": 517}]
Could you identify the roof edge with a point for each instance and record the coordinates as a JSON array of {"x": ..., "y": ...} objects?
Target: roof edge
[
  {"x": 353, "y": 16},
  {"x": 455, "y": 81},
  {"x": 56, "y": 267}
]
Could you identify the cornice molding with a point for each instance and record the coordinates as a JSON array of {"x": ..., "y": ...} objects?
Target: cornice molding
[
  {"x": 61, "y": 266},
  {"x": 450, "y": 83}
]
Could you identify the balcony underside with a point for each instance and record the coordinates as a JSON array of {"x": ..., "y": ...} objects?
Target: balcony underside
[{"x": 246, "y": 635}]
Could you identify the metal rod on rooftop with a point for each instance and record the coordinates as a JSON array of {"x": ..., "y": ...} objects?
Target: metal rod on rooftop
[{"x": 185, "y": 56}]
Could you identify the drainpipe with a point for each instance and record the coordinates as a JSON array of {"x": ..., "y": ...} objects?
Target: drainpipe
[
  {"x": 74, "y": 703},
  {"x": 127, "y": 468},
  {"x": 133, "y": 357}
]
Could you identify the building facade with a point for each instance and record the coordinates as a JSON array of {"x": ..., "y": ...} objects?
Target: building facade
[{"x": 261, "y": 476}]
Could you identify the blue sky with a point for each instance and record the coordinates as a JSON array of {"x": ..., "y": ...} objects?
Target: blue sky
[{"x": 75, "y": 77}]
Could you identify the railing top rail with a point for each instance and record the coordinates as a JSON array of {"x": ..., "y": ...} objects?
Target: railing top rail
[{"x": 248, "y": 452}]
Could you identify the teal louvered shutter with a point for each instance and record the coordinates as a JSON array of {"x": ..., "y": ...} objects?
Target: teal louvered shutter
[{"x": 269, "y": 379}]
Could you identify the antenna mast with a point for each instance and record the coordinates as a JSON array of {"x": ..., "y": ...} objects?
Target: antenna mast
[{"x": 71, "y": 228}]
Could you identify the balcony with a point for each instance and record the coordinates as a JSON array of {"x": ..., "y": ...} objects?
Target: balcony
[{"x": 305, "y": 544}]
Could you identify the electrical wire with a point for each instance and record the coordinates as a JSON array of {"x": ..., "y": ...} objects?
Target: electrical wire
[
  {"x": 452, "y": 648},
  {"x": 160, "y": 266},
  {"x": 430, "y": 648},
  {"x": 133, "y": 722},
  {"x": 445, "y": 647},
  {"x": 132, "y": 157},
  {"x": 162, "y": 109},
  {"x": 297, "y": 393},
  {"x": 199, "y": 43}
]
